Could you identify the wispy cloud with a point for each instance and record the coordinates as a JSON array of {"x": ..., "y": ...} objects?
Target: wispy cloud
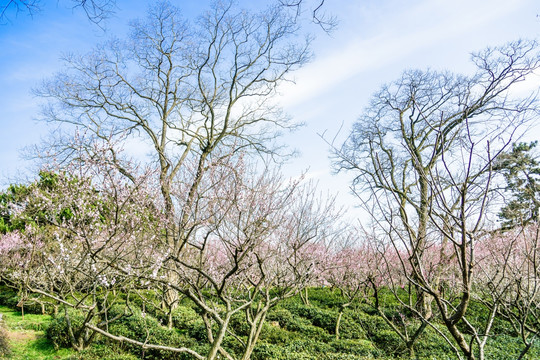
[{"x": 406, "y": 32}]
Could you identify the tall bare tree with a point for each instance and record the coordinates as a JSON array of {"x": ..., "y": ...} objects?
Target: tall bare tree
[
  {"x": 182, "y": 91},
  {"x": 423, "y": 154}
]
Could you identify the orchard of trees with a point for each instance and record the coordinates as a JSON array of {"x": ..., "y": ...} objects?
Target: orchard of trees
[{"x": 204, "y": 229}]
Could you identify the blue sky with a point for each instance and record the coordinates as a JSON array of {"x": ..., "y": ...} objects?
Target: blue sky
[{"x": 375, "y": 41}]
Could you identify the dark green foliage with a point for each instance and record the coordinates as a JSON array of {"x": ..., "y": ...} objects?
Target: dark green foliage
[
  {"x": 57, "y": 331},
  {"x": 324, "y": 297},
  {"x": 8, "y": 297},
  {"x": 184, "y": 317},
  {"x": 433, "y": 345},
  {"x": 350, "y": 329},
  {"x": 239, "y": 325},
  {"x": 389, "y": 341},
  {"x": 369, "y": 322},
  {"x": 353, "y": 347},
  {"x": 283, "y": 316},
  {"x": 103, "y": 352},
  {"x": 325, "y": 319},
  {"x": 18, "y": 196},
  {"x": 521, "y": 171},
  {"x": 273, "y": 334},
  {"x": 197, "y": 330},
  {"x": 145, "y": 328},
  {"x": 508, "y": 347},
  {"x": 32, "y": 305}
]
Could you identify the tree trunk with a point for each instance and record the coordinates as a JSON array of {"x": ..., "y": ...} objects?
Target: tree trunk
[
  {"x": 216, "y": 344},
  {"x": 338, "y": 322},
  {"x": 254, "y": 333},
  {"x": 305, "y": 296}
]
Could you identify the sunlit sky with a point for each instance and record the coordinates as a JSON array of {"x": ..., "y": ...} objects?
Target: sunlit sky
[{"x": 374, "y": 42}]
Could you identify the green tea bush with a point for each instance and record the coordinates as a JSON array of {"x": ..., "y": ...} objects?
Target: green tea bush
[
  {"x": 282, "y": 316},
  {"x": 354, "y": 347},
  {"x": 370, "y": 323},
  {"x": 325, "y": 319},
  {"x": 265, "y": 351},
  {"x": 431, "y": 345},
  {"x": 145, "y": 328},
  {"x": 184, "y": 316},
  {"x": 325, "y": 297},
  {"x": 308, "y": 345},
  {"x": 57, "y": 331},
  {"x": 197, "y": 330},
  {"x": 311, "y": 331},
  {"x": 239, "y": 325},
  {"x": 350, "y": 329},
  {"x": 508, "y": 347},
  {"x": 103, "y": 352},
  {"x": 389, "y": 342},
  {"x": 276, "y": 335},
  {"x": 274, "y": 352}
]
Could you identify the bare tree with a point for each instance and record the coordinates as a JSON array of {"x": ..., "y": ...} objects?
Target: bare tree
[
  {"x": 317, "y": 12},
  {"x": 183, "y": 90},
  {"x": 423, "y": 154},
  {"x": 96, "y": 10}
]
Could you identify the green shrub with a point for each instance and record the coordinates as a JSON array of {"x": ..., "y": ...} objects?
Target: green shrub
[
  {"x": 370, "y": 323},
  {"x": 355, "y": 347},
  {"x": 145, "y": 328},
  {"x": 274, "y": 352},
  {"x": 103, "y": 352},
  {"x": 389, "y": 342},
  {"x": 239, "y": 325},
  {"x": 312, "y": 331},
  {"x": 325, "y": 297},
  {"x": 309, "y": 346},
  {"x": 57, "y": 331},
  {"x": 325, "y": 319},
  {"x": 197, "y": 330},
  {"x": 275, "y": 335},
  {"x": 350, "y": 329},
  {"x": 184, "y": 316},
  {"x": 507, "y": 347},
  {"x": 431, "y": 345},
  {"x": 282, "y": 316},
  {"x": 265, "y": 351},
  {"x": 8, "y": 297}
]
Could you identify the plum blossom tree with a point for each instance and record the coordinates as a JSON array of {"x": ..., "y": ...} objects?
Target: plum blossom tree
[
  {"x": 90, "y": 224},
  {"x": 349, "y": 267},
  {"x": 508, "y": 284},
  {"x": 251, "y": 248}
]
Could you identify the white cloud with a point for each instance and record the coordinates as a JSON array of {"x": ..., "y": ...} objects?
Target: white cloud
[{"x": 414, "y": 32}]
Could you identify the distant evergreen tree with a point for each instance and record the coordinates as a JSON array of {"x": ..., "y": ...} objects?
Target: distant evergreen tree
[{"x": 521, "y": 169}]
